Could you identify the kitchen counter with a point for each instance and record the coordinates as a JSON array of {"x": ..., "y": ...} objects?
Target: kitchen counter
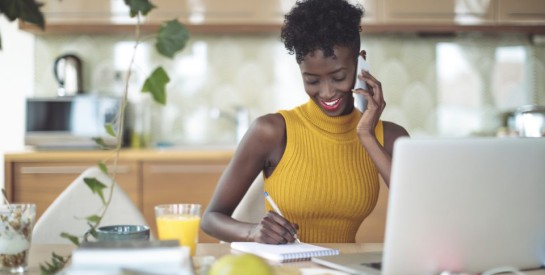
[{"x": 172, "y": 153}]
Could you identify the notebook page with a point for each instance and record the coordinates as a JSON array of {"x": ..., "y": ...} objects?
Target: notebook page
[{"x": 284, "y": 252}]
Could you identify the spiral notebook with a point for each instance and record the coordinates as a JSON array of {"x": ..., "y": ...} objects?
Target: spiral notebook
[{"x": 284, "y": 252}]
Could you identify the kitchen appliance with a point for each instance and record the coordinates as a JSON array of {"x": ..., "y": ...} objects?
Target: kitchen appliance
[
  {"x": 67, "y": 70},
  {"x": 530, "y": 121},
  {"x": 69, "y": 122}
]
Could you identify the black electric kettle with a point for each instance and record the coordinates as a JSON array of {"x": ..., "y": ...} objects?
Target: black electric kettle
[{"x": 67, "y": 70}]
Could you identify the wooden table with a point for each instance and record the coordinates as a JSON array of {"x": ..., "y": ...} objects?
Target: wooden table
[{"x": 42, "y": 253}]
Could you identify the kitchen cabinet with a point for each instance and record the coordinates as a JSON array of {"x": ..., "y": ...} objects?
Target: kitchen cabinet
[
  {"x": 188, "y": 181},
  {"x": 521, "y": 12},
  {"x": 274, "y": 11},
  {"x": 371, "y": 7},
  {"x": 105, "y": 16},
  {"x": 85, "y": 12},
  {"x": 266, "y": 16},
  {"x": 42, "y": 182},
  {"x": 205, "y": 11},
  {"x": 149, "y": 177},
  {"x": 459, "y": 12}
]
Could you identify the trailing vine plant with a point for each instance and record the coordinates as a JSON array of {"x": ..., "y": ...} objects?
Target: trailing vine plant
[
  {"x": 170, "y": 39},
  {"x": 24, "y": 10}
]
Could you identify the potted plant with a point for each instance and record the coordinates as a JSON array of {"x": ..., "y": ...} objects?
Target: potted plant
[{"x": 170, "y": 39}]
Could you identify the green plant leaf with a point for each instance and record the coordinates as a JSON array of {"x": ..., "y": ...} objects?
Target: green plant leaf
[
  {"x": 103, "y": 167},
  {"x": 57, "y": 264},
  {"x": 72, "y": 238},
  {"x": 93, "y": 219},
  {"x": 100, "y": 142},
  {"x": 26, "y": 10},
  {"x": 172, "y": 37},
  {"x": 139, "y": 6},
  {"x": 156, "y": 85},
  {"x": 92, "y": 230},
  {"x": 110, "y": 129},
  {"x": 96, "y": 187}
]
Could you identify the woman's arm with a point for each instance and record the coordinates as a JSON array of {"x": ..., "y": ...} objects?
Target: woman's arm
[
  {"x": 381, "y": 155},
  {"x": 252, "y": 156}
]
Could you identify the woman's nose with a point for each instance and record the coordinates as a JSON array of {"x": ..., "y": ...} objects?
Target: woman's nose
[{"x": 327, "y": 90}]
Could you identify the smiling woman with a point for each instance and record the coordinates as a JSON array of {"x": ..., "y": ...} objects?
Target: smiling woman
[{"x": 321, "y": 161}]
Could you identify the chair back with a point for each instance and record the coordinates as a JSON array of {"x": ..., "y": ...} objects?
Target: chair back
[
  {"x": 68, "y": 211},
  {"x": 252, "y": 206}
]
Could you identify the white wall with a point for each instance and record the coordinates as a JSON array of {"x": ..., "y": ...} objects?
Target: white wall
[{"x": 16, "y": 83}]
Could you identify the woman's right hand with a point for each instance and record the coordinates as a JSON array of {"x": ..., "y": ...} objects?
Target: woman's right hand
[{"x": 274, "y": 229}]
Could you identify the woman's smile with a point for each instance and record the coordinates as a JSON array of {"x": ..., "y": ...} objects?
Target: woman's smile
[{"x": 331, "y": 105}]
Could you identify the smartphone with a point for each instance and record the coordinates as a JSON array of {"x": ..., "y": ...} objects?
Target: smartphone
[{"x": 359, "y": 100}]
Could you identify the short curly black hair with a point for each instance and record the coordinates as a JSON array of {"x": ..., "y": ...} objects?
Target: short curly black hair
[{"x": 320, "y": 25}]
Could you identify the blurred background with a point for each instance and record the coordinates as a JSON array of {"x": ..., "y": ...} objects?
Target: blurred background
[{"x": 453, "y": 68}]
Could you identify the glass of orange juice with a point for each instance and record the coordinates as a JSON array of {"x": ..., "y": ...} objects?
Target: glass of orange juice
[{"x": 179, "y": 222}]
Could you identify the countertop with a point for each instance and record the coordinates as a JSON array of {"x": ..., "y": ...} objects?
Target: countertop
[{"x": 174, "y": 153}]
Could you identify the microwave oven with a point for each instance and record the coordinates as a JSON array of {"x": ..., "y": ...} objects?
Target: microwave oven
[{"x": 70, "y": 122}]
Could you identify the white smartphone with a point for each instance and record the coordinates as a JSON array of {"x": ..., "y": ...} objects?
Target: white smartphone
[{"x": 359, "y": 100}]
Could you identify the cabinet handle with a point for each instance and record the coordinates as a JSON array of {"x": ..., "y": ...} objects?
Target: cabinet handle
[
  {"x": 121, "y": 169},
  {"x": 195, "y": 169}
]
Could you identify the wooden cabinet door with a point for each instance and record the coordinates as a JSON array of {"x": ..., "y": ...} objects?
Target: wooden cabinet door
[
  {"x": 42, "y": 183},
  {"x": 190, "y": 181},
  {"x": 205, "y": 11},
  {"x": 521, "y": 11},
  {"x": 371, "y": 8},
  {"x": 273, "y": 11},
  {"x": 461, "y": 12},
  {"x": 79, "y": 12}
]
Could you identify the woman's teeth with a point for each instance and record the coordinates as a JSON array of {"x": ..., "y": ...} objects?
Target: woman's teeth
[{"x": 331, "y": 103}]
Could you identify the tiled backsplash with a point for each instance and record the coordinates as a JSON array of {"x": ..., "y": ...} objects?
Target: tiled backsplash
[{"x": 434, "y": 86}]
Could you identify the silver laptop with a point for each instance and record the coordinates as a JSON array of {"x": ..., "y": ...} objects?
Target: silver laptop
[{"x": 462, "y": 205}]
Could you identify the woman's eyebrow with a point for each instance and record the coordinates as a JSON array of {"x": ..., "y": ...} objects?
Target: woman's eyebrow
[{"x": 332, "y": 72}]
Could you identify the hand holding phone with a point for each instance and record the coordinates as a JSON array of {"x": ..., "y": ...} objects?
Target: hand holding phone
[{"x": 359, "y": 100}]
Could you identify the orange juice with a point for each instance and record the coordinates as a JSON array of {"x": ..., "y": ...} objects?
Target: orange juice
[{"x": 184, "y": 228}]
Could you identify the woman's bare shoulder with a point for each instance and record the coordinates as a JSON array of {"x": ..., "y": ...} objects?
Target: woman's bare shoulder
[{"x": 268, "y": 128}]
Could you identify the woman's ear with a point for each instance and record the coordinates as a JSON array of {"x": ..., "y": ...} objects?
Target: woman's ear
[{"x": 363, "y": 54}]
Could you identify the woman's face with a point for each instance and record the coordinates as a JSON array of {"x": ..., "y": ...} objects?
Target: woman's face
[{"x": 329, "y": 80}]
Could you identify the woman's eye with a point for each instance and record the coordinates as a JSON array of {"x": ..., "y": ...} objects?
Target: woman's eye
[
  {"x": 339, "y": 79},
  {"x": 312, "y": 82}
]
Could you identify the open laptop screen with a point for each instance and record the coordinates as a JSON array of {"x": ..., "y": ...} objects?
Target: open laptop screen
[{"x": 468, "y": 204}]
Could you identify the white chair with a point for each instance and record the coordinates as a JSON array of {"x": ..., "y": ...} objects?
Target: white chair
[
  {"x": 252, "y": 206},
  {"x": 67, "y": 213}
]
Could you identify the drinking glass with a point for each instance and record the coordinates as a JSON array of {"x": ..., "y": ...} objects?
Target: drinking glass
[
  {"x": 179, "y": 222},
  {"x": 16, "y": 222}
]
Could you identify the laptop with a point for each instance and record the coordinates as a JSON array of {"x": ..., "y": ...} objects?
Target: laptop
[{"x": 461, "y": 205}]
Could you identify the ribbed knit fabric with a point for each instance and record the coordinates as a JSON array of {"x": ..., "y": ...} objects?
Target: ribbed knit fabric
[{"x": 325, "y": 182}]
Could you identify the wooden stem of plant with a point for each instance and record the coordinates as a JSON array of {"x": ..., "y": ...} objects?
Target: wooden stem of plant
[{"x": 121, "y": 121}]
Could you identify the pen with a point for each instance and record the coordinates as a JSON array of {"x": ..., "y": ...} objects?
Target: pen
[{"x": 277, "y": 210}]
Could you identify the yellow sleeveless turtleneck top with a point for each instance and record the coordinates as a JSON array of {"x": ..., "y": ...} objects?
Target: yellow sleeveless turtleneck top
[{"x": 325, "y": 181}]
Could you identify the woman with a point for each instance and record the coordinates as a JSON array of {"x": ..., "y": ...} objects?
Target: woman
[{"x": 320, "y": 160}]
